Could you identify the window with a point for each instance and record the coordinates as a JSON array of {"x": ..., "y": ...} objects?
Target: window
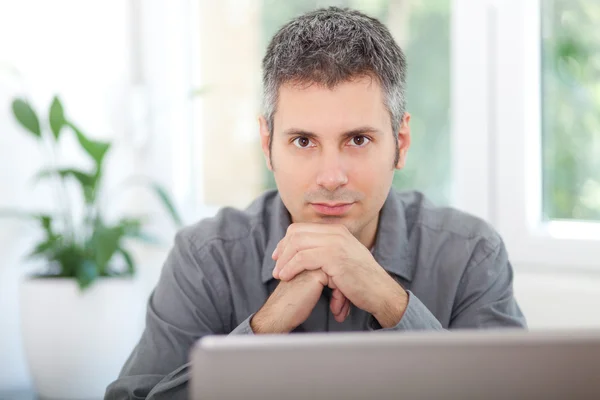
[
  {"x": 571, "y": 109},
  {"x": 232, "y": 39},
  {"x": 525, "y": 100}
]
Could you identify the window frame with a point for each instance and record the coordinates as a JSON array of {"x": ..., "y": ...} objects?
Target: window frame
[{"x": 497, "y": 132}]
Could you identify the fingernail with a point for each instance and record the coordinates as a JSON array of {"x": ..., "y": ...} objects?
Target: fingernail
[
  {"x": 274, "y": 253},
  {"x": 275, "y": 272},
  {"x": 348, "y": 313}
]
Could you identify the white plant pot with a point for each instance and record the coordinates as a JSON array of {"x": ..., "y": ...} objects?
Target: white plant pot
[{"x": 76, "y": 342}]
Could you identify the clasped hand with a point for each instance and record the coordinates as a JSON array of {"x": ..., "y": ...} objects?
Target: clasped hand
[{"x": 354, "y": 274}]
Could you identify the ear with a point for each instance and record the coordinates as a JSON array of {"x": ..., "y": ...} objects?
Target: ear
[
  {"x": 264, "y": 140},
  {"x": 403, "y": 140}
]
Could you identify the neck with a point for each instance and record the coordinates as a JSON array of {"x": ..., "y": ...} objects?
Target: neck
[{"x": 369, "y": 233}]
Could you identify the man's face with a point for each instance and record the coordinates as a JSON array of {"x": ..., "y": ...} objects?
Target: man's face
[{"x": 333, "y": 153}]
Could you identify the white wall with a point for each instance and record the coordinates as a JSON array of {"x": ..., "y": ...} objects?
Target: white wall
[
  {"x": 559, "y": 300},
  {"x": 82, "y": 51}
]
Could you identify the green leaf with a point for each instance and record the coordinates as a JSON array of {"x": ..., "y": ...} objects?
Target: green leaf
[
  {"x": 167, "y": 203},
  {"x": 87, "y": 181},
  {"x": 145, "y": 237},
  {"x": 130, "y": 225},
  {"x": 86, "y": 274},
  {"x": 70, "y": 257},
  {"x": 105, "y": 242},
  {"x": 132, "y": 228},
  {"x": 83, "y": 177},
  {"x": 95, "y": 149},
  {"x": 56, "y": 117},
  {"x": 47, "y": 248},
  {"x": 161, "y": 193},
  {"x": 46, "y": 221},
  {"x": 128, "y": 260},
  {"x": 26, "y": 117}
]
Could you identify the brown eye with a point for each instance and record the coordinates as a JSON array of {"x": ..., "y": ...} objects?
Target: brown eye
[
  {"x": 302, "y": 142},
  {"x": 359, "y": 141}
]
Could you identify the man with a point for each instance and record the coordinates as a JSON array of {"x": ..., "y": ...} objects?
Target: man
[{"x": 334, "y": 249}]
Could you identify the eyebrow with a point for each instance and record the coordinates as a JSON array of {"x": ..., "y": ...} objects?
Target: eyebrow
[{"x": 354, "y": 132}]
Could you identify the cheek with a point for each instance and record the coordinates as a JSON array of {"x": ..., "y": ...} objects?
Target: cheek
[
  {"x": 290, "y": 173},
  {"x": 291, "y": 180},
  {"x": 289, "y": 168},
  {"x": 371, "y": 172}
]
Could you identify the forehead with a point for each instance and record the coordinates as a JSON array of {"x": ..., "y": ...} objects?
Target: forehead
[{"x": 320, "y": 109}]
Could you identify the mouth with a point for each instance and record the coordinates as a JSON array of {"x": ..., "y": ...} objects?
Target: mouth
[{"x": 336, "y": 209}]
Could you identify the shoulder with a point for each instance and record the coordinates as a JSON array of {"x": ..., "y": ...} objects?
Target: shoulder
[
  {"x": 447, "y": 224},
  {"x": 229, "y": 226}
]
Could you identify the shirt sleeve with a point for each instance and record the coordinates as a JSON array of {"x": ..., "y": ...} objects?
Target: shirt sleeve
[
  {"x": 185, "y": 306},
  {"x": 415, "y": 317},
  {"x": 484, "y": 299}
]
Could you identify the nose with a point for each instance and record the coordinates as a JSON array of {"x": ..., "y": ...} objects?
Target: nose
[{"x": 332, "y": 174}]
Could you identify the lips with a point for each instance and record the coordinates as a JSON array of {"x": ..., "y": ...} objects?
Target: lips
[{"x": 332, "y": 209}]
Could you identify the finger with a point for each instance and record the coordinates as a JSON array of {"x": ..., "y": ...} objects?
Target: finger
[
  {"x": 336, "y": 305},
  {"x": 292, "y": 245},
  {"x": 331, "y": 283},
  {"x": 337, "y": 302},
  {"x": 275, "y": 253},
  {"x": 275, "y": 256},
  {"x": 301, "y": 227},
  {"x": 282, "y": 252},
  {"x": 305, "y": 260},
  {"x": 341, "y": 317},
  {"x": 298, "y": 241}
]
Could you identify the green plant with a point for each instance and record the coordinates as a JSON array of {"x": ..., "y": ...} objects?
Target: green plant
[{"x": 88, "y": 247}]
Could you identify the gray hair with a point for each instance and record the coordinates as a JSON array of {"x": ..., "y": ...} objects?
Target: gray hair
[{"x": 330, "y": 46}]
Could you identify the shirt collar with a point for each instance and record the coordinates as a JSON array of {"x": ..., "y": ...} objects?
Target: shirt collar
[
  {"x": 278, "y": 222},
  {"x": 391, "y": 241}
]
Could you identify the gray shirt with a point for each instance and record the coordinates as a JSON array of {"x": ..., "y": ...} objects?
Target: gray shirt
[{"x": 218, "y": 274}]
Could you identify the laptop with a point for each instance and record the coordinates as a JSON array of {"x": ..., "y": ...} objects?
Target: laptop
[{"x": 501, "y": 364}]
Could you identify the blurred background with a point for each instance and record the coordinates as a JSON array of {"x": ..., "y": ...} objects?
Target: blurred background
[{"x": 504, "y": 98}]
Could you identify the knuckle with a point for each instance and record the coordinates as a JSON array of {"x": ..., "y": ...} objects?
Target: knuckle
[
  {"x": 318, "y": 275},
  {"x": 300, "y": 238},
  {"x": 337, "y": 250},
  {"x": 289, "y": 238},
  {"x": 295, "y": 239}
]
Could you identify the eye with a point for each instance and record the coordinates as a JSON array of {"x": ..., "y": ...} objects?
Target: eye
[
  {"x": 359, "y": 141},
  {"x": 302, "y": 142}
]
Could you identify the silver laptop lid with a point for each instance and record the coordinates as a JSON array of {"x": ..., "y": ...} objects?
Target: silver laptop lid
[{"x": 458, "y": 365}]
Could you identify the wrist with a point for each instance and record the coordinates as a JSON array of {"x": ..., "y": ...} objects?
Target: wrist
[
  {"x": 392, "y": 306},
  {"x": 264, "y": 322}
]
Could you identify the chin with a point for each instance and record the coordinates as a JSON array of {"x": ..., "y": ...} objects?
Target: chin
[
  {"x": 327, "y": 219},
  {"x": 332, "y": 220}
]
